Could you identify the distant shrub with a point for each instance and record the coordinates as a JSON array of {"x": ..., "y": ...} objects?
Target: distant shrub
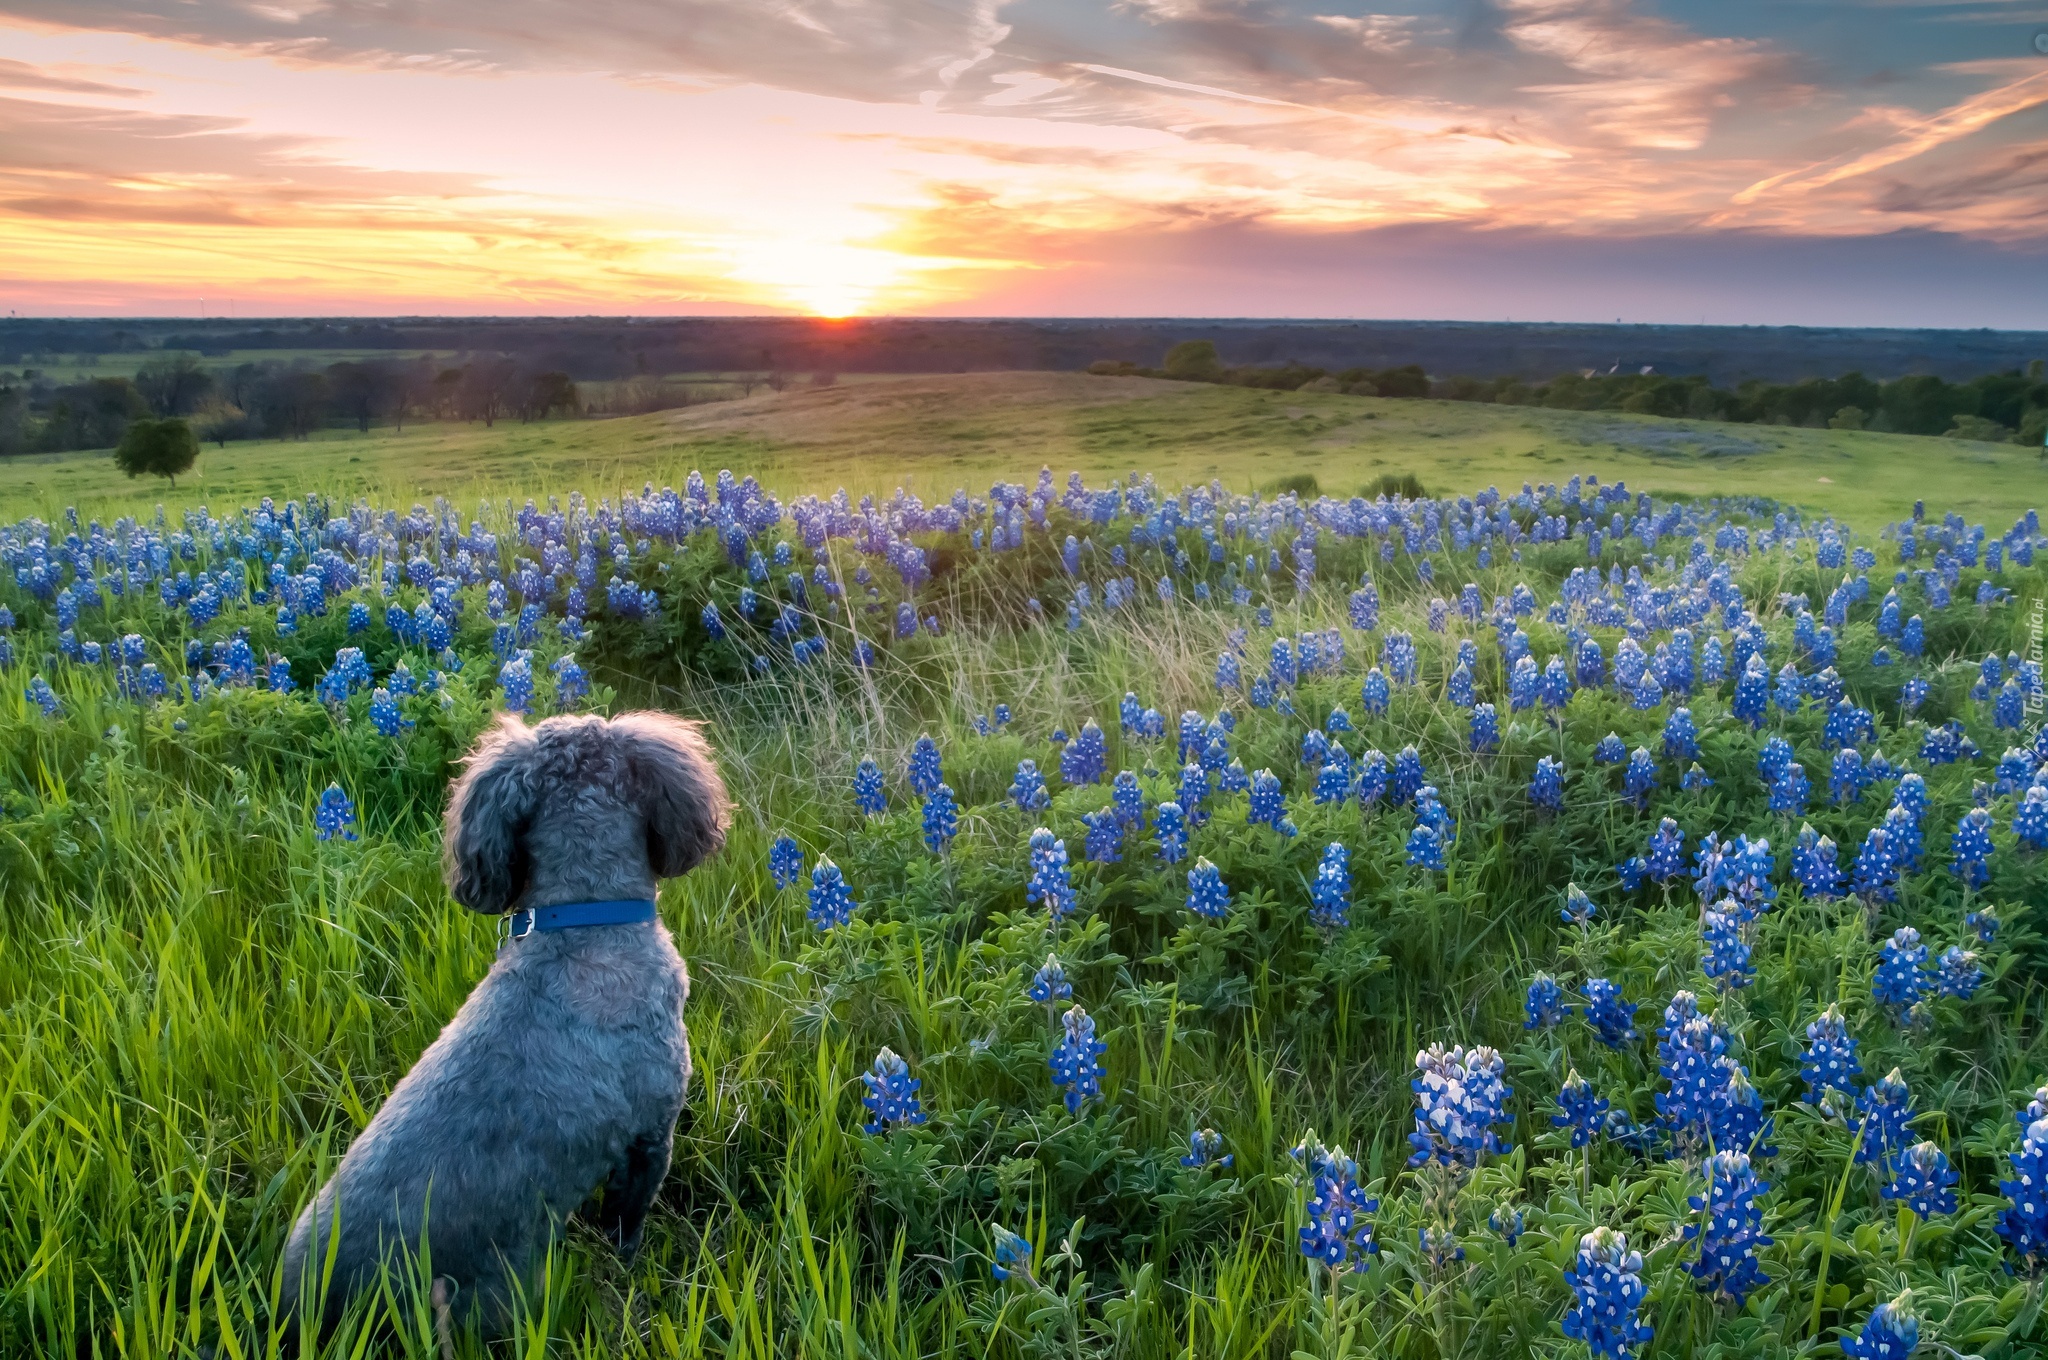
[
  {"x": 1300, "y": 483},
  {"x": 1397, "y": 484}
]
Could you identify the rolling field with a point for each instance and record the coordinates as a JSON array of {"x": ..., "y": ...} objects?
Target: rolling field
[
  {"x": 932, "y": 434},
  {"x": 1495, "y": 916}
]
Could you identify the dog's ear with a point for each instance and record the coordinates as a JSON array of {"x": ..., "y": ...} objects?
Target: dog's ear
[
  {"x": 675, "y": 781},
  {"x": 483, "y": 851}
]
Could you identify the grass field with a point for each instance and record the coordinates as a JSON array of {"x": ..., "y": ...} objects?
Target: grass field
[
  {"x": 932, "y": 434},
  {"x": 203, "y": 1000}
]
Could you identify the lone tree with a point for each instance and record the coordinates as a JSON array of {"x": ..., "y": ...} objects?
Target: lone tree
[
  {"x": 1194, "y": 361},
  {"x": 161, "y": 448}
]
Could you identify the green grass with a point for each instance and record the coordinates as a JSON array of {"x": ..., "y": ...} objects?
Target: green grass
[
  {"x": 933, "y": 434},
  {"x": 201, "y": 1003}
]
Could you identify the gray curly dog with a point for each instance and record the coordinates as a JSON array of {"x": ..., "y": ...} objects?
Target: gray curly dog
[{"x": 557, "y": 1085}]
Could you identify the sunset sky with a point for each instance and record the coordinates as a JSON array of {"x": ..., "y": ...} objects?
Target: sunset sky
[{"x": 1769, "y": 161}]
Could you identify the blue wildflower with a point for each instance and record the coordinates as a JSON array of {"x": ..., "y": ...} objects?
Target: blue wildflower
[
  {"x": 1170, "y": 825},
  {"x": 1027, "y": 789},
  {"x": 867, "y": 788},
  {"x": 1921, "y": 1181},
  {"x": 1545, "y": 1003},
  {"x": 1375, "y": 693},
  {"x": 1581, "y": 1109},
  {"x": 923, "y": 767},
  {"x": 1971, "y": 846},
  {"x": 1829, "y": 1061},
  {"x": 1731, "y": 1230},
  {"x": 43, "y": 697},
  {"x": 892, "y": 1094},
  {"x": 1049, "y": 983},
  {"x": 1207, "y": 895},
  {"x": 1083, "y": 760},
  {"x": 1612, "y": 1018},
  {"x": 335, "y": 815},
  {"x": 1876, "y": 869},
  {"x": 2024, "y": 1222},
  {"x": 1607, "y": 1296},
  {"x": 1459, "y": 1097},
  {"x": 1900, "y": 980},
  {"x": 1105, "y": 836},
  {"x": 941, "y": 819},
  {"x": 1578, "y": 908},
  {"x": 1726, "y": 956},
  {"x": 1887, "y": 1108},
  {"x": 1891, "y": 1333},
  {"x": 1485, "y": 728},
  {"x": 1666, "y": 858},
  {"x": 1546, "y": 786},
  {"x": 1408, "y": 775},
  {"x": 385, "y": 715},
  {"x": 1049, "y": 882},
  {"x": 1338, "y": 1233},
  {"x": 1330, "y": 894},
  {"x": 1205, "y": 1149},
  {"x": 1639, "y": 780},
  {"x": 1012, "y": 1253},
  {"x": 1696, "y": 780},
  {"x": 1076, "y": 1061},
  {"x": 1426, "y": 847},
  {"x": 1790, "y": 792},
  {"x": 1956, "y": 973},
  {"x": 831, "y": 901},
  {"x": 1267, "y": 805},
  {"x": 1846, "y": 776},
  {"x": 785, "y": 862}
]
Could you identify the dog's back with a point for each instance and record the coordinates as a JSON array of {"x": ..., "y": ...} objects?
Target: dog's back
[{"x": 565, "y": 1070}]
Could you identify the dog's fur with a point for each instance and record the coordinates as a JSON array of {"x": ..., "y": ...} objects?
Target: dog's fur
[{"x": 561, "y": 1077}]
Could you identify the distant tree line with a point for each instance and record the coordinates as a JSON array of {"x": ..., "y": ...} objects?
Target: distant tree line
[
  {"x": 1998, "y": 407},
  {"x": 274, "y": 399}
]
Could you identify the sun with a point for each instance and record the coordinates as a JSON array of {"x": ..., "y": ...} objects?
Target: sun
[{"x": 831, "y": 279}]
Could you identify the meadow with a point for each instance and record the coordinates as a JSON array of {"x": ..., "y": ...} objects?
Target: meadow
[{"x": 1577, "y": 916}]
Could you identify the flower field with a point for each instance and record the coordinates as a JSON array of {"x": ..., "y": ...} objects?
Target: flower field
[{"x": 1158, "y": 921}]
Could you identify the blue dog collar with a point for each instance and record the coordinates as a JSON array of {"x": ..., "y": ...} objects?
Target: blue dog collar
[{"x": 569, "y": 915}]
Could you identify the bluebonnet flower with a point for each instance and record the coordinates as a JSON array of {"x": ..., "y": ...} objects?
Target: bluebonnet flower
[
  {"x": 2024, "y": 1222},
  {"x": 1691, "y": 1054},
  {"x": 1546, "y": 786},
  {"x": 1791, "y": 689},
  {"x": 1887, "y": 1107},
  {"x": 2009, "y": 707},
  {"x": 1012, "y": 1253},
  {"x": 831, "y": 901},
  {"x": 1846, "y": 776},
  {"x": 1634, "y": 871},
  {"x": 2030, "y": 820},
  {"x": 1813, "y": 865},
  {"x": 1170, "y": 825},
  {"x": 1921, "y": 1181},
  {"x": 43, "y": 697},
  {"x": 1105, "y": 836},
  {"x": 1485, "y": 728},
  {"x": 1607, "y": 1296},
  {"x": 892, "y": 1094},
  {"x": 1508, "y": 1223},
  {"x": 1399, "y": 654},
  {"x": 1971, "y": 846},
  {"x": 1545, "y": 1003},
  {"x": 1790, "y": 792},
  {"x": 1458, "y": 689},
  {"x": 867, "y": 788},
  {"x": 385, "y": 715},
  {"x": 278, "y": 675},
  {"x": 1330, "y": 894},
  {"x": 1049, "y": 983},
  {"x": 1772, "y": 757},
  {"x": 1612, "y": 1018},
  {"x": 348, "y": 674},
  {"x": 1193, "y": 793},
  {"x": 1207, "y": 896},
  {"x": 1337, "y": 1233},
  {"x": 572, "y": 682},
  {"x": 923, "y": 767},
  {"x": 1732, "y": 1230},
  {"x": 1523, "y": 684},
  {"x": 515, "y": 678},
  {"x": 335, "y": 815},
  {"x": 1984, "y": 923},
  {"x": 1049, "y": 877},
  {"x": 1408, "y": 775},
  {"x": 1228, "y": 674},
  {"x": 1900, "y": 980},
  {"x": 1739, "y": 1120},
  {"x": 785, "y": 862},
  {"x": 1956, "y": 973},
  {"x": 1426, "y": 847},
  {"x": 1639, "y": 780},
  {"x": 1333, "y": 783},
  {"x": 1829, "y": 1062},
  {"x": 1726, "y": 957},
  {"x": 1375, "y": 693},
  {"x": 1752, "y": 693},
  {"x": 1647, "y": 692},
  {"x": 1877, "y": 871},
  {"x": 1592, "y": 664},
  {"x": 1666, "y": 859},
  {"x": 1578, "y": 908},
  {"x": 1127, "y": 800},
  {"x": 1581, "y": 1109},
  {"x": 1891, "y": 1333},
  {"x": 1267, "y": 805},
  {"x": 1076, "y": 1061},
  {"x": 1459, "y": 1097},
  {"x": 1205, "y": 1149},
  {"x": 1083, "y": 760},
  {"x": 1696, "y": 780},
  {"x": 1557, "y": 684},
  {"x": 1610, "y": 750},
  {"x": 941, "y": 819},
  {"x": 1027, "y": 789},
  {"x": 1681, "y": 737}
]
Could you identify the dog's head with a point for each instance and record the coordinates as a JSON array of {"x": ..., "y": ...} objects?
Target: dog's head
[{"x": 581, "y": 806}]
